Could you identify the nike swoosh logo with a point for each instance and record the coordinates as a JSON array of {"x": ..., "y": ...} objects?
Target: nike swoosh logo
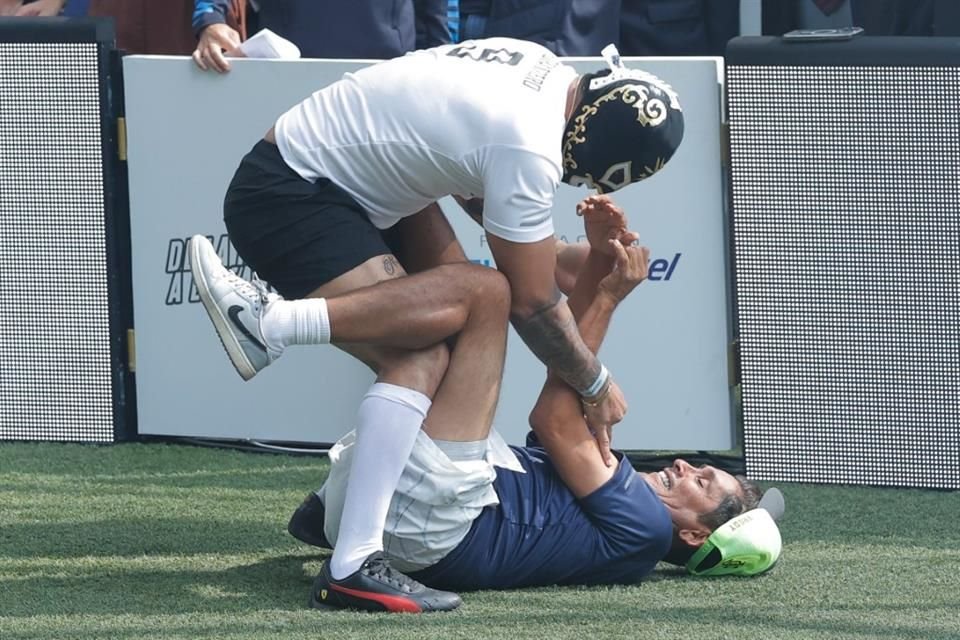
[{"x": 234, "y": 313}]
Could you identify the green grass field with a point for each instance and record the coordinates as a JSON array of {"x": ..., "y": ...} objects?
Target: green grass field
[{"x": 162, "y": 541}]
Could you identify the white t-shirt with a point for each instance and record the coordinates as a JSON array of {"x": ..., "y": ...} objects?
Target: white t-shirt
[{"x": 484, "y": 118}]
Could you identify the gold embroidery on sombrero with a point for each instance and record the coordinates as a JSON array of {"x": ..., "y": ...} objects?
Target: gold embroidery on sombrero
[
  {"x": 607, "y": 183},
  {"x": 651, "y": 112},
  {"x": 574, "y": 137},
  {"x": 659, "y": 164}
]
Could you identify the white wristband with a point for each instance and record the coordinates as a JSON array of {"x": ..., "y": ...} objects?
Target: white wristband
[{"x": 598, "y": 383}]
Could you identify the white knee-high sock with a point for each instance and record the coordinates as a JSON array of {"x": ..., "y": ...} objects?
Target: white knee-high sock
[
  {"x": 287, "y": 322},
  {"x": 387, "y": 425}
]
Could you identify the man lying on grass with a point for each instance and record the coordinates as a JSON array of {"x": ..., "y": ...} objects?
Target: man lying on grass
[{"x": 551, "y": 514}]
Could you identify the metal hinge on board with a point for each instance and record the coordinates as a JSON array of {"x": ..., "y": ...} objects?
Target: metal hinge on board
[
  {"x": 122, "y": 139},
  {"x": 733, "y": 362},
  {"x": 724, "y": 144},
  {"x": 131, "y": 350}
]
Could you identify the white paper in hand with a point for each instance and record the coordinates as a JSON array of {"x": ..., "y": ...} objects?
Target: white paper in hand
[{"x": 267, "y": 44}]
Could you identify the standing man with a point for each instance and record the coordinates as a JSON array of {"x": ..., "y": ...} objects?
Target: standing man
[
  {"x": 566, "y": 27},
  {"x": 497, "y": 123},
  {"x": 366, "y": 29}
]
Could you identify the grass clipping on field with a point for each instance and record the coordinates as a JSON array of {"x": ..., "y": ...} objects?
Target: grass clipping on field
[{"x": 162, "y": 541}]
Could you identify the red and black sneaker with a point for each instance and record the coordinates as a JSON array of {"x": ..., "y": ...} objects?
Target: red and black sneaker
[
  {"x": 376, "y": 586},
  {"x": 306, "y": 523}
]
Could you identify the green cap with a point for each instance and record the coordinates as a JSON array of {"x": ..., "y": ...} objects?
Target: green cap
[{"x": 744, "y": 546}]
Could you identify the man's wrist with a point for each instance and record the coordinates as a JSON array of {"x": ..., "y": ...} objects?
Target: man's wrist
[
  {"x": 208, "y": 16},
  {"x": 597, "y": 400},
  {"x": 598, "y": 255},
  {"x": 598, "y": 383},
  {"x": 607, "y": 299}
]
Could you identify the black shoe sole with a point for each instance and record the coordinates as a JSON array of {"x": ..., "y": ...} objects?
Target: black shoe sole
[
  {"x": 354, "y": 597},
  {"x": 315, "y": 603}
]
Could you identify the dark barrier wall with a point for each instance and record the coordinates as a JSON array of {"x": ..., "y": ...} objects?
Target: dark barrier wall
[
  {"x": 846, "y": 242},
  {"x": 64, "y": 272}
]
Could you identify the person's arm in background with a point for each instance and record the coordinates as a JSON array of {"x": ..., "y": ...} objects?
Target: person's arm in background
[
  {"x": 430, "y": 17},
  {"x": 40, "y": 8},
  {"x": 10, "y": 7},
  {"x": 557, "y": 419},
  {"x": 214, "y": 35}
]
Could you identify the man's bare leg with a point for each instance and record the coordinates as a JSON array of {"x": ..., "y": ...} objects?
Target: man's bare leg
[
  {"x": 393, "y": 411},
  {"x": 413, "y": 312},
  {"x": 467, "y": 300},
  {"x": 464, "y": 405},
  {"x": 425, "y": 240}
]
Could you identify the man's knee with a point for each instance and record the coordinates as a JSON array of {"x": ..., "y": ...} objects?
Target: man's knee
[
  {"x": 478, "y": 284},
  {"x": 497, "y": 289},
  {"x": 492, "y": 296}
]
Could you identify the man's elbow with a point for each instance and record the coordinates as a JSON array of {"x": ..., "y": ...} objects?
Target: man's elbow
[
  {"x": 545, "y": 420},
  {"x": 525, "y": 307},
  {"x": 539, "y": 422}
]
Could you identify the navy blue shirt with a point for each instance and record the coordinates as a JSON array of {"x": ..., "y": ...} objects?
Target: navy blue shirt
[
  {"x": 336, "y": 29},
  {"x": 540, "y": 534}
]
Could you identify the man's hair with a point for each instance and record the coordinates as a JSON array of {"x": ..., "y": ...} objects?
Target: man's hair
[{"x": 730, "y": 507}]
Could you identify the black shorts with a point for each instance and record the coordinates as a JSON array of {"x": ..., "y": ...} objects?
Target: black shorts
[{"x": 295, "y": 234}]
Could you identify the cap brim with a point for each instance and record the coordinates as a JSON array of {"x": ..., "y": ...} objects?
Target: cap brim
[{"x": 772, "y": 502}]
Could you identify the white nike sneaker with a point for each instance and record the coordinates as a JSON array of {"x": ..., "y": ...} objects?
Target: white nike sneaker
[{"x": 235, "y": 306}]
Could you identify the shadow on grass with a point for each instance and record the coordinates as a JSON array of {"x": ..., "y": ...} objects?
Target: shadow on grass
[
  {"x": 683, "y": 616},
  {"x": 493, "y": 622},
  {"x": 870, "y": 515},
  {"x": 40, "y": 466},
  {"x": 139, "y": 483},
  {"x": 277, "y": 583},
  {"x": 138, "y": 537}
]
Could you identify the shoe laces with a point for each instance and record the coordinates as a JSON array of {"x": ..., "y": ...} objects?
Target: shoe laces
[
  {"x": 378, "y": 568},
  {"x": 263, "y": 290},
  {"x": 255, "y": 290}
]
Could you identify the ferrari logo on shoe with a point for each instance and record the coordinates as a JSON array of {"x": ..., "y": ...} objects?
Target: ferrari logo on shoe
[{"x": 323, "y": 594}]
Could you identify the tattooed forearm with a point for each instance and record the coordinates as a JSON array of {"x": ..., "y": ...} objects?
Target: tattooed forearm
[{"x": 551, "y": 333}]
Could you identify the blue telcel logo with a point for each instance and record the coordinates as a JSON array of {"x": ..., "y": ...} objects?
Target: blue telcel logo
[{"x": 660, "y": 269}]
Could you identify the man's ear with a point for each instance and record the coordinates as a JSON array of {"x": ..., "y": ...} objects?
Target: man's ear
[{"x": 694, "y": 537}]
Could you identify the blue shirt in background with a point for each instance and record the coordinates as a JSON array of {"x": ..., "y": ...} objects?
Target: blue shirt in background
[
  {"x": 75, "y": 8},
  {"x": 453, "y": 19},
  {"x": 540, "y": 534}
]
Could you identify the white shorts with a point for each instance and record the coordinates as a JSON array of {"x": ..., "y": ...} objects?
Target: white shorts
[{"x": 435, "y": 503}]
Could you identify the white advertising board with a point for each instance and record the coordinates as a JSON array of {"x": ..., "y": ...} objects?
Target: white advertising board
[{"x": 187, "y": 131}]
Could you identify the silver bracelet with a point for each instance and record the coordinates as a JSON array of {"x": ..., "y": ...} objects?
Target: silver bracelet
[{"x": 598, "y": 384}]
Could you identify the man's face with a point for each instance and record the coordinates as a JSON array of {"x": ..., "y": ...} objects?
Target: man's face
[{"x": 690, "y": 491}]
